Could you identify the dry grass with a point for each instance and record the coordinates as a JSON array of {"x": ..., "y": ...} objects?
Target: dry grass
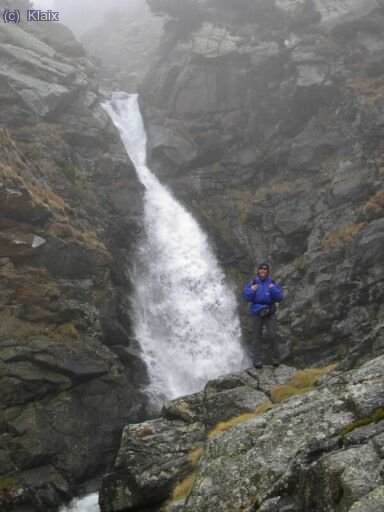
[
  {"x": 342, "y": 236},
  {"x": 223, "y": 426},
  {"x": 371, "y": 88},
  {"x": 375, "y": 206},
  {"x": 195, "y": 455},
  {"x": 302, "y": 382},
  {"x": 67, "y": 330},
  {"x": 283, "y": 392},
  {"x": 250, "y": 503},
  {"x": 89, "y": 237},
  {"x": 145, "y": 432},
  {"x": 182, "y": 488},
  {"x": 311, "y": 376},
  {"x": 37, "y": 293}
]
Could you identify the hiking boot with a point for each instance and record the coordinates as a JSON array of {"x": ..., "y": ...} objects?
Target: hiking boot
[
  {"x": 275, "y": 365},
  {"x": 258, "y": 366}
]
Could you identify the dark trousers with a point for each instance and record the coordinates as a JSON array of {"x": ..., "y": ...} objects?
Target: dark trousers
[{"x": 270, "y": 323}]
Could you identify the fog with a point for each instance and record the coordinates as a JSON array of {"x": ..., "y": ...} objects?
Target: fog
[{"x": 81, "y": 15}]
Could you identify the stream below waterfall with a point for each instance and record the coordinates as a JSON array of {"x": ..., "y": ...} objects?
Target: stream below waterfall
[{"x": 184, "y": 311}]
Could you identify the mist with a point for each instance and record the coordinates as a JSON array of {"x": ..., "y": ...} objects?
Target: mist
[{"x": 83, "y": 15}]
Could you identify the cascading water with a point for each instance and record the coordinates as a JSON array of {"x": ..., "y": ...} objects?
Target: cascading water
[{"x": 184, "y": 312}]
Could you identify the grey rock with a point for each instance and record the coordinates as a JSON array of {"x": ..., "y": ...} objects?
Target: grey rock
[
  {"x": 231, "y": 396},
  {"x": 371, "y": 503},
  {"x": 187, "y": 408},
  {"x": 152, "y": 457},
  {"x": 60, "y": 160},
  {"x": 290, "y": 458},
  {"x": 332, "y": 15}
]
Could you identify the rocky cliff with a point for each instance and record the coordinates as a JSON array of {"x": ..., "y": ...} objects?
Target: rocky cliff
[
  {"x": 70, "y": 371},
  {"x": 259, "y": 441},
  {"x": 266, "y": 118}
]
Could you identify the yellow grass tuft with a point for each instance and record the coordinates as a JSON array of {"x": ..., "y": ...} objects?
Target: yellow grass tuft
[
  {"x": 223, "y": 426},
  {"x": 310, "y": 376},
  {"x": 301, "y": 382},
  {"x": 195, "y": 456},
  {"x": 182, "y": 488},
  {"x": 285, "y": 391}
]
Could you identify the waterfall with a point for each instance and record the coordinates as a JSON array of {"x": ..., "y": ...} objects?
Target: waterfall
[{"x": 184, "y": 312}]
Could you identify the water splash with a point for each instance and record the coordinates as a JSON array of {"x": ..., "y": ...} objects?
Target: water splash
[
  {"x": 89, "y": 503},
  {"x": 185, "y": 316}
]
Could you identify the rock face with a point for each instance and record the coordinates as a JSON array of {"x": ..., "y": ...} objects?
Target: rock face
[
  {"x": 70, "y": 371},
  {"x": 266, "y": 118},
  {"x": 322, "y": 450}
]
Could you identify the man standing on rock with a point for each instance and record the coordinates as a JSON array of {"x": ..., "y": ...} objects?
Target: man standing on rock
[{"x": 263, "y": 293}]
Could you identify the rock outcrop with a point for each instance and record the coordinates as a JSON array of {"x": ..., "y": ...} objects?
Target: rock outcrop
[
  {"x": 266, "y": 118},
  {"x": 70, "y": 370},
  {"x": 319, "y": 450}
]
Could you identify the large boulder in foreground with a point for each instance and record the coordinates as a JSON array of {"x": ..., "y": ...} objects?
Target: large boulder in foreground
[{"x": 321, "y": 449}]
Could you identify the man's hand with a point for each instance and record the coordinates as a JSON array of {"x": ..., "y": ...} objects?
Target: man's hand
[
  {"x": 254, "y": 287},
  {"x": 271, "y": 285}
]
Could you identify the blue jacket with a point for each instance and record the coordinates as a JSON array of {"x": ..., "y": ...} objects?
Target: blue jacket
[{"x": 265, "y": 297}]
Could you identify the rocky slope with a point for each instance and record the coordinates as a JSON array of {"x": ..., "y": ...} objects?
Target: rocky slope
[
  {"x": 70, "y": 372},
  {"x": 267, "y": 119},
  {"x": 291, "y": 449}
]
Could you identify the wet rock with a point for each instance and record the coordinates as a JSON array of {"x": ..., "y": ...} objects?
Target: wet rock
[
  {"x": 152, "y": 457},
  {"x": 230, "y": 396},
  {"x": 293, "y": 457},
  {"x": 189, "y": 408},
  {"x": 60, "y": 238}
]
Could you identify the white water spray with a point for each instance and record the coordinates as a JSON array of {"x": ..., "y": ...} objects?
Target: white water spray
[
  {"x": 184, "y": 312},
  {"x": 87, "y": 504}
]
